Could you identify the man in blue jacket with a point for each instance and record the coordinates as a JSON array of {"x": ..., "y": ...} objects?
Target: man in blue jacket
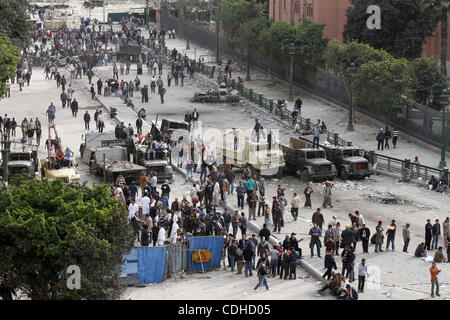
[{"x": 315, "y": 232}]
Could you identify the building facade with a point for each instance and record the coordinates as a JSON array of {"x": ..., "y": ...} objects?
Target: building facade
[{"x": 332, "y": 14}]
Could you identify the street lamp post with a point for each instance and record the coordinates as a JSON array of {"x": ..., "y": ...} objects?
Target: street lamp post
[
  {"x": 217, "y": 30},
  {"x": 440, "y": 98},
  {"x": 188, "y": 47},
  {"x": 293, "y": 48}
]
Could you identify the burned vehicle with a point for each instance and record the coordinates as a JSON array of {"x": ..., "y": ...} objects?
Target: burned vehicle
[
  {"x": 348, "y": 162},
  {"x": 219, "y": 95}
]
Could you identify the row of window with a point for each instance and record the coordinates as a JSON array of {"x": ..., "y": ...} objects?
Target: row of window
[{"x": 308, "y": 8}]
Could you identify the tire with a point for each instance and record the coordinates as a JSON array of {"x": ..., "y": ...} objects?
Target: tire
[
  {"x": 344, "y": 174},
  {"x": 304, "y": 175},
  {"x": 280, "y": 173}
]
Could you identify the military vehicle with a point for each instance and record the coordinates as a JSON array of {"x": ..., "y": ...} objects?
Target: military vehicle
[
  {"x": 219, "y": 95},
  {"x": 307, "y": 162},
  {"x": 346, "y": 159},
  {"x": 161, "y": 167},
  {"x": 262, "y": 158},
  {"x": 55, "y": 166},
  {"x": 23, "y": 158},
  {"x": 129, "y": 50},
  {"x": 348, "y": 162}
]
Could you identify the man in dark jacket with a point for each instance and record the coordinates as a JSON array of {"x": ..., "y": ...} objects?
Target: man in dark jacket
[
  {"x": 99, "y": 87},
  {"x": 264, "y": 232},
  {"x": 293, "y": 257},
  {"x": 347, "y": 237},
  {"x": 330, "y": 263},
  {"x": 284, "y": 265},
  {"x": 364, "y": 235},
  {"x": 428, "y": 234},
  {"x": 317, "y": 218},
  {"x": 87, "y": 119},
  {"x": 139, "y": 125},
  {"x": 248, "y": 256},
  {"x": 380, "y": 139},
  {"x": 74, "y": 107}
]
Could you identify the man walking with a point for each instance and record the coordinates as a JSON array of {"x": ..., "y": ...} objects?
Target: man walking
[
  {"x": 308, "y": 190},
  {"x": 362, "y": 274},
  {"x": 262, "y": 272},
  {"x": 380, "y": 139},
  {"x": 87, "y": 119},
  {"x": 406, "y": 237},
  {"x": 295, "y": 204},
  {"x": 428, "y": 234},
  {"x": 195, "y": 117},
  {"x": 327, "y": 195}
]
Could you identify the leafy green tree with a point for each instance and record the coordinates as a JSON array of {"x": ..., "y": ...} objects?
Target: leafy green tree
[
  {"x": 404, "y": 25},
  {"x": 425, "y": 72},
  {"x": 14, "y": 22},
  {"x": 235, "y": 13},
  {"x": 48, "y": 226},
  {"x": 249, "y": 39},
  {"x": 268, "y": 46},
  {"x": 314, "y": 44},
  {"x": 9, "y": 58},
  {"x": 382, "y": 86},
  {"x": 344, "y": 59}
]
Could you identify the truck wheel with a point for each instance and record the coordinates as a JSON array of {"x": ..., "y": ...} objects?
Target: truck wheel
[
  {"x": 344, "y": 174},
  {"x": 280, "y": 173},
  {"x": 304, "y": 176},
  {"x": 203, "y": 101}
]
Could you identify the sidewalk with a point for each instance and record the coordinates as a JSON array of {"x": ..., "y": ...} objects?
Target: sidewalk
[{"x": 335, "y": 116}]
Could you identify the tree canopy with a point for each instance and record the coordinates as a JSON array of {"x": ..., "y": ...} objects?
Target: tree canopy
[
  {"x": 382, "y": 85},
  {"x": 425, "y": 72},
  {"x": 9, "y": 58},
  {"x": 14, "y": 22},
  {"x": 404, "y": 25},
  {"x": 48, "y": 226}
]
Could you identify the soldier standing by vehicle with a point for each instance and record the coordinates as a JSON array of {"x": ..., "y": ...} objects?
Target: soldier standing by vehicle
[
  {"x": 327, "y": 194},
  {"x": 307, "y": 192}
]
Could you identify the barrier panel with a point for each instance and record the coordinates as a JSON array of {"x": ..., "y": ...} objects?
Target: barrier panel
[
  {"x": 204, "y": 248},
  {"x": 152, "y": 264},
  {"x": 129, "y": 269}
]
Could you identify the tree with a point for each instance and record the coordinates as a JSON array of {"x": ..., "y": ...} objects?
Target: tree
[
  {"x": 312, "y": 53},
  {"x": 9, "y": 58},
  {"x": 249, "y": 39},
  {"x": 268, "y": 46},
  {"x": 425, "y": 72},
  {"x": 344, "y": 59},
  {"x": 48, "y": 226},
  {"x": 382, "y": 85},
  {"x": 14, "y": 22},
  {"x": 235, "y": 13},
  {"x": 404, "y": 26}
]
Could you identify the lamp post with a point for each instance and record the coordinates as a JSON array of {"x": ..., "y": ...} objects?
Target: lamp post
[
  {"x": 293, "y": 48},
  {"x": 440, "y": 97},
  {"x": 188, "y": 47},
  {"x": 349, "y": 69},
  {"x": 6, "y": 144},
  {"x": 217, "y": 30}
]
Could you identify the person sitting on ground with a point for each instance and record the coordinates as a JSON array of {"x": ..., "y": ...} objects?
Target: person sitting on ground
[
  {"x": 420, "y": 251},
  {"x": 406, "y": 176},
  {"x": 443, "y": 183},
  {"x": 433, "y": 183},
  {"x": 349, "y": 293},
  {"x": 439, "y": 255},
  {"x": 333, "y": 284}
]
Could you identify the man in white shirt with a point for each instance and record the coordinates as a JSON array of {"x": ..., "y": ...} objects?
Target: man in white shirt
[
  {"x": 132, "y": 210},
  {"x": 153, "y": 184},
  {"x": 161, "y": 236},
  {"x": 295, "y": 204},
  {"x": 145, "y": 203},
  {"x": 173, "y": 233}
]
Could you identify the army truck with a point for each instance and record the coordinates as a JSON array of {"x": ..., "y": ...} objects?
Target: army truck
[
  {"x": 346, "y": 159},
  {"x": 111, "y": 161},
  {"x": 22, "y": 161},
  {"x": 348, "y": 162},
  {"x": 307, "y": 162},
  {"x": 262, "y": 158},
  {"x": 161, "y": 167}
]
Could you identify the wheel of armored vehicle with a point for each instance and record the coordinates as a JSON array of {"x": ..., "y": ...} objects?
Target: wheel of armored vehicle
[{"x": 304, "y": 175}]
